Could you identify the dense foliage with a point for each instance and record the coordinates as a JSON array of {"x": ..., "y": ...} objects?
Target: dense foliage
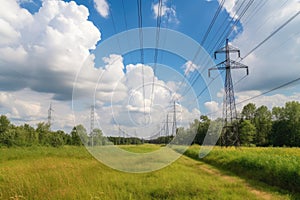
[
  {"x": 260, "y": 126},
  {"x": 26, "y": 135}
]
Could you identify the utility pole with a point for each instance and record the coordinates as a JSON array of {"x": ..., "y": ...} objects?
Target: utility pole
[
  {"x": 92, "y": 124},
  {"x": 174, "y": 127},
  {"x": 50, "y": 116},
  {"x": 229, "y": 135},
  {"x": 167, "y": 129},
  {"x": 167, "y": 126}
]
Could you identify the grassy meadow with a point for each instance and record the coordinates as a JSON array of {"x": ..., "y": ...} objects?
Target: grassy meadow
[
  {"x": 72, "y": 173},
  {"x": 274, "y": 166}
]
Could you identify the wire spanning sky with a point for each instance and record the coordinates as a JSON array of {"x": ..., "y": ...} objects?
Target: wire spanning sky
[{"x": 44, "y": 44}]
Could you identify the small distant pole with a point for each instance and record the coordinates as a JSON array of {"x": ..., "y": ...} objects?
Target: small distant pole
[
  {"x": 92, "y": 124},
  {"x": 174, "y": 127},
  {"x": 50, "y": 116}
]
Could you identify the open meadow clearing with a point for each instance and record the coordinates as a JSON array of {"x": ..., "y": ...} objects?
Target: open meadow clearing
[{"x": 72, "y": 173}]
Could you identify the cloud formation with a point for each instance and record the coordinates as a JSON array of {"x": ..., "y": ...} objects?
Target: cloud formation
[
  {"x": 277, "y": 60},
  {"x": 102, "y": 7},
  {"x": 44, "y": 51},
  {"x": 168, "y": 12}
]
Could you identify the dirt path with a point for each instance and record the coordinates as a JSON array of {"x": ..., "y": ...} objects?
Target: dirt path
[{"x": 233, "y": 179}]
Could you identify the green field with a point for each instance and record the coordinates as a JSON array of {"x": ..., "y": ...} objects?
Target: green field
[
  {"x": 274, "y": 166},
  {"x": 72, "y": 173}
]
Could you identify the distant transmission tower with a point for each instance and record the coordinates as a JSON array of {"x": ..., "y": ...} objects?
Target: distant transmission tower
[
  {"x": 167, "y": 126},
  {"x": 50, "y": 116},
  {"x": 92, "y": 124},
  {"x": 174, "y": 126},
  {"x": 230, "y": 135}
]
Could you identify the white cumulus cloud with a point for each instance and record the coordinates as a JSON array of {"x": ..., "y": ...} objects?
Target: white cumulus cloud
[{"x": 102, "y": 7}]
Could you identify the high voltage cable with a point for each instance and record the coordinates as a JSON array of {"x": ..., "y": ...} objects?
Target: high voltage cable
[
  {"x": 196, "y": 76},
  {"x": 256, "y": 47},
  {"x": 257, "y": 8},
  {"x": 228, "y": 33},
  {"x": 271, "y": 90},
  {"x": 124, "y": 15},
  {"x": 235, "y": 22},
  {"x": 266, "y": 92},
  {"x": 270, "y": 16},
  {"x": 158, "y": 24},
  {"x": 114, "y": 24},
  {"x": 140, "y": 24},
  {"x": 204, "y": 38},
  {"x": 213, "y": 21},
  {"x": 126, "y": 27},
  {"x": 272, "y": 34}
]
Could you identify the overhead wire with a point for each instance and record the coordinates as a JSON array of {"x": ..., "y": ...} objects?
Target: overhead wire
[
  {"x": 272, "y": 34},
  {"x": 224, "y": 38},
  {"x": 263, "y": 93},
  {"x": 203, "y": 39},
  {"x": 140, "y": 25},
  {"x": 158, "y": 24},
  {"x": 126, "y": 26},
  {"x": 271, "y": 90},
  {"x": 196, "y": 76},
  {"x": 260, "y": 44}
]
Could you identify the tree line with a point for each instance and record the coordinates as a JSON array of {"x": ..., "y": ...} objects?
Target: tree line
[
  {"x": 260, "y": 126},
  {"x": 257, "y": 127},
  {"x": 26, "y": 135}
]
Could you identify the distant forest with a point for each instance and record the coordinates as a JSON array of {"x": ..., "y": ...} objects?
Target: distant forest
[{"x": 257, "y": 127}]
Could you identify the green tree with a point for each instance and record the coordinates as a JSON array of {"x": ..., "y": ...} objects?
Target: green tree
[
  {"x": 286, "y": 125},
  {"x": 56, "y": 139},
  {"x": 4, "y": 123},
  {"x": 202, "y": 129},
  {"x": 263, "y": 124},
  {"x": 248, "y": 112},
  {"x": 292, "y": 114},
  {"x": 30, "y": 134},
  {"x": 79, "y": 135},
  {"x": 6, "y": 136},
  {"x": 43, "y": 130},
  {"x": 247, "y": 132},
  {"x": 98, "y": 138}
]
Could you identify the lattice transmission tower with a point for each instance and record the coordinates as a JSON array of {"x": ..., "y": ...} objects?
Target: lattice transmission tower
[
  {"x": 92, "y": 124},
  {"x": 50, "y": 116},
  {"x": 230, "y": 134}
]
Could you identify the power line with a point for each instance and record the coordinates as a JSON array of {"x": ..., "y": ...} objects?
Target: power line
[
  {"x": 264, "y": 93},
  {"x": 140, "y": 24},
  {"x": 203, "y": 40},
  {"x": 196, "y": 77},
  {"x": 256, "y": 47},
  {"x": 158, "y": 24},
  {"x": 272, "y": 34},
  {"x": 212, "y": 22},
  {"x": 271, "y": 90}
]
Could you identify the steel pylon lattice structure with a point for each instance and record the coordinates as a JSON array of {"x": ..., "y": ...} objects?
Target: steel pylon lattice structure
[
  {"x": 230, "y": 134},
  {"x": 50, "y": 116},
  {"x": 92, "y": 123}
]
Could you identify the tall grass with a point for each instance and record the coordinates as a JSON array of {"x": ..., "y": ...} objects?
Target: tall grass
[
  {"x": 72, "y": 173},
  {"x": 275, "y": 166}
]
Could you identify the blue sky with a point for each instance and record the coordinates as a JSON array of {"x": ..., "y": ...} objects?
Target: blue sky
[{"x": 71, "y": 53}]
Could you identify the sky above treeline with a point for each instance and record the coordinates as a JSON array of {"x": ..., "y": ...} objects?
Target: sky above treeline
[{"x": 75, "y": 54}]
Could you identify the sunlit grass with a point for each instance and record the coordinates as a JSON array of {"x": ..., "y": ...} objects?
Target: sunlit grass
[
  {"x": 72, "y": 173},
  {"x": 275, "y": 166}
]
